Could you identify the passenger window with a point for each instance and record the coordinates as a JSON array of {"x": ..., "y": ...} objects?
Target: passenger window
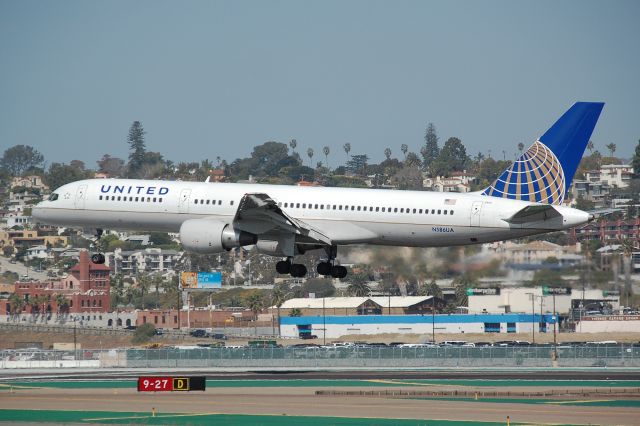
[
  {"x": 402, "y": 210},
  {"x": 420, "y": 211},
  {"x": 208, "y": 201},
  {"x": 231, "y": 202},
  {"x": 371, "y": 209},
  {"x": 450, "y": 211},
  {"x": 414, "y": 210},
  {"x": 377, "y": 209},
  {"x": 445, "y": 212},
  {"x": 154, "y": 200},
  {"x": 321, "y": 206},
  {"x": 279, "y": 204},
  {"x": 438, "y": 211},
  {"x": 219, "y": 202},
  {"x": 119, "y": 198},
  {"x": 195, "y": 201},
  {"x": 433, "y": 211},
  {"x": 160, "y": 199},
  {"x": 297, "y": 205},
  {"x": 304, "y": 205},
  {"x": 408, "y": 211},
  {"x": 340, "y": 206},
  {"x": 100, "y": 198},
  {"x": 395, "y": 210},
  {"x": 358, "y": 208},
  {"x": 353, "y": 208},
  {"x": 130, "y": 198},
  {"x": 148, "y": 199},
  {"x": 316, "y": 207},
  {"x": 334, "y": 207},
  {"x": 383, "y": 210},
  {"x": 136, "y": 198}
]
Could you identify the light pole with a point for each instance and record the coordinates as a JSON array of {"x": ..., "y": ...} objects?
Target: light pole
[
  {"x": 533, "y": 317},
  {"x": 555, "y": 320},
  {"x": 75, "y": 341},
  {"x": 433, "y": 319}
]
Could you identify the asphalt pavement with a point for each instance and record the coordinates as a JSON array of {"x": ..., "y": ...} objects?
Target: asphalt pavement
[{"x": 21, "y": 270}]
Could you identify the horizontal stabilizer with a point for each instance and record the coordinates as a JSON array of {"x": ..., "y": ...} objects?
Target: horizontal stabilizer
[{"x": 534, "y": 213}]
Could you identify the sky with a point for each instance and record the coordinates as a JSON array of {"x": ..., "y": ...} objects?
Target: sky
[{"x": 215, "y": 78}]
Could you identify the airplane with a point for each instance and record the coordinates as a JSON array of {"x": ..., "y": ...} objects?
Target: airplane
[{"x": 286, "y": 221}]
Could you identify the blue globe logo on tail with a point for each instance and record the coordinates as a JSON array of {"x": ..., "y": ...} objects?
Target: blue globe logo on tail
[
  {"x": 536, "y": 176},
  {"x": 544, "y": 173}
]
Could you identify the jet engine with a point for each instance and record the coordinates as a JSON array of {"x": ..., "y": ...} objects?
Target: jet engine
[{"x": 210, "y": 236}]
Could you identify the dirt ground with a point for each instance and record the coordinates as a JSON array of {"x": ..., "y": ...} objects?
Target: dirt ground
[
  {"x": 301, "y": 401},
  {"x": 8, "y": 339}
]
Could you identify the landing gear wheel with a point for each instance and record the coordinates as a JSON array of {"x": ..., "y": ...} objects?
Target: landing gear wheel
[
  {"x": 98, "y": 258},
  {"x": 298, "y": 270},
  {"x": 324, "y": 268},
  {"x": 338, "y": 272},
  {"x": 283, "y": 267}
]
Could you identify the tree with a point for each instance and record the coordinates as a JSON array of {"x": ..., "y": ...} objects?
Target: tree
[
  {"x": 358, "y": 286},
  {"x": 431, "y": 289},
  {"x": 453, "y": 157},
  {"x": 61, "y": 174},
  {"x": 310, "y": 155},
  {"x": 412, "y": 160},
  {"x": 404, "y": 148},
  {"x": 430, "y": 150},
  {"x": 112, "y": 166},
  {"x": 520, "y": 147},
  {"x": 627, "y": 253},
  {"x": 17, "y": 304},
  {"x": 62, "y": 303},
  {"x": 255, "y": 302},
  {"x": 612, "y": 148},
  {"x": 20, "y": 158},
  {"x": 347, "y": 148},
  {"x": 326, "y": 151},
  {"x": 408, "y": 178},
  {"x": 387, "y": 153},
  {"x": 295, "y": 312},
  {"x": 277, "y": 299},
  {"x": 143, "y": 334},
  {"x": 590, "y": 147},
  {"x": 137, "y": 148},
  {"x": 293, "y": 144},
  {"x": 7, "y": 250},
  {"x": 636, "y": 160}
]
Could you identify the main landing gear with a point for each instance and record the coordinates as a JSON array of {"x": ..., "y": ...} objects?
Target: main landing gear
[
  {"x": 326, "y": 268},
  {"x": 98, "y": 258}
]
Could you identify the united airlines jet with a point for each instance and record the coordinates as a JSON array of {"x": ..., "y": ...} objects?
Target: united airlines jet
[{"x": 286, "y": 221}]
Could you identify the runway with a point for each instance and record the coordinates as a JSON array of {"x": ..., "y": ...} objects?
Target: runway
[{"x": 317, "y": 398}]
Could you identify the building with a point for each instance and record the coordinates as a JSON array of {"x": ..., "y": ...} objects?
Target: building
[
  {"x": 152, "y": 260},
  {"x": 457, "y": 182},
  {"x": 537, "y": 253},
  {"x": 609, "y": 231},
  {"x": 338, "y": 326},
  {"x": 519, "y": 299},
  {"x": 331, "y": 306},
  {"x": 30, "y": 238},
  {"x": 85, "y": 289},
  {"x": 31, "y": 181},
  {"x": 609, "y": 324}
]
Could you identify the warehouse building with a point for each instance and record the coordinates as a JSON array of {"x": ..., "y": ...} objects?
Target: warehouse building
[
  {"x": 382, "y": 305},
  {"x": 336, "y": 326}
]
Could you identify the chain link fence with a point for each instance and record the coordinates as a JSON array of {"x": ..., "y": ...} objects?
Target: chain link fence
[{"x": 323, "y": 357}]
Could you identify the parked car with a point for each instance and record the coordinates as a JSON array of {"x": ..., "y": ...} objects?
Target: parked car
[
  {"x": 308, "y": 336},
  {"x": 198, "y": 333},
  {"x": 219, "y": 336}
]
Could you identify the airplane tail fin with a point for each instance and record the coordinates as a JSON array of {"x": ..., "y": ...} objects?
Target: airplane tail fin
[{"x": 544, "y": 172}]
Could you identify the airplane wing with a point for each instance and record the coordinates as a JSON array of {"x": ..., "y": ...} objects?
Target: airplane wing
[
  {"x": 534, "y": 213},
  {"x": 258, "y": 214}
]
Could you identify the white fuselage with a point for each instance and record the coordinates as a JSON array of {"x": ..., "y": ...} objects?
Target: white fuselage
[{"x": 345, "y": 215}]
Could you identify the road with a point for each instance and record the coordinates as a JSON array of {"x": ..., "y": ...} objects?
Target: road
[{"x": 21, "y": 270}]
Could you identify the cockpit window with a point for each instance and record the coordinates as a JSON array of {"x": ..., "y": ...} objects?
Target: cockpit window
[{"x": 53, "y": 197}]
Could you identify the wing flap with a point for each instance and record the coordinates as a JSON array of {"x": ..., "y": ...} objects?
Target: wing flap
[{"x": 259, "y": 214}]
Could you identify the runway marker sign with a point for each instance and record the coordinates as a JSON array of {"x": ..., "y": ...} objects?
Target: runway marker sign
[{"x": 171, "y": 384}]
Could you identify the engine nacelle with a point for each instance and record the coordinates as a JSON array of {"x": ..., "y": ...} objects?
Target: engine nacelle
[{"x": 211, "y": 236}]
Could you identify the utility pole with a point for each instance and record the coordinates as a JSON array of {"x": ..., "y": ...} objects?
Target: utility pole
[
  {"x": 433, "y": 319},
  {"x": 533, "y": 317},
  {"x": 75, "y": 340},
  {"x": 324, "y": 324},
  {"x": 555, "y": 320}
]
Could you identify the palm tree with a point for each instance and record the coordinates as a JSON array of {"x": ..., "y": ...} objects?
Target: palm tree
[
  {"x": 347, "y": 148},
  {"x": 277, "y": 299},
  {"x": 310, "y": 155},
  {"x": 358, "y": 288},
  {"x": 157, "y": 283},
  {"x": 627, "y": 252},
  {"x": 387, "y": 153},
  {"x": 61, "y": 303},
  {"x": 326, "y": 152},
  {"x": 293, "y": 143},
  {"x": 404, "y": 148},
  {"x": 39, "y": 304},
  {"x": 590, "y": 147},
  {"x": 612, "y": 148},
  {"x": 17, "y": 304},
  {"x": 504, "y": 155},
  {"x": 143, "y": 287},
  {"x": 520, "y": 147},
  {"x": 255, "y": 302}
]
